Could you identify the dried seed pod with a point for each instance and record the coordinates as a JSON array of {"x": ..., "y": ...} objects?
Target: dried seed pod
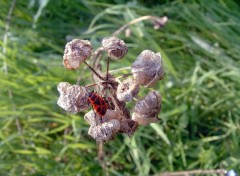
[
  {"x": 128, "y": 32},
  {"x": 75, "y": 53},
  {"x": 146, "y": 110},
  {"x": 111, "y": 114},
  {"x": 73, "y": 98},
  {"x": 115, "y": 47},
  {"x": 93, "y": 119},
  {"x": 144, "y": 120},
  {"x": 160, "y": 22},
  {"x": 148, "y": 68},
  {"x": 104, "y": 131},
  {"x": 127, "y": 90},
  {"x": 128, "y": 126}
]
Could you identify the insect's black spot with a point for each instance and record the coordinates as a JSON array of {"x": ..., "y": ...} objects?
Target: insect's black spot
[
  {"x": 104, "y": 103},
  {"x": 99, "y": 110},
  {"x": 104, "y": 110},
  {"x": 97, "y": 102},
  {"x": 93, "y": 97}
]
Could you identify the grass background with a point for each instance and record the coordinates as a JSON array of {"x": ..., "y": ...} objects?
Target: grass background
[{"x": 200, "y": 46}]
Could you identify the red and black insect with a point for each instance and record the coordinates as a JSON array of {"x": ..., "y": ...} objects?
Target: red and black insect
[{"x": 100, "y": 106}]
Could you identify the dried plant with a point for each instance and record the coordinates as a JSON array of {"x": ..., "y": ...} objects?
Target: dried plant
[{"x": 110, "y": 94}]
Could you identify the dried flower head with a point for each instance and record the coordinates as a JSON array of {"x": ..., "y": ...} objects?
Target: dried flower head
[
  {"x": 73, "y": 98},
  {"x": 115, "y": 47},
  {"x": 104, "y": 131},
  {"x": 128, "y": 126},
  {"x": 146, "y": 110},
  {"x": 110, "y": 115},
  {"x": 93, "y": 119},
  {"x": 75, "y": 53},
  {"x": 127, "y": 90},
  {"x": 160, "y": 22},
  {"x": 148, "y": 68}
]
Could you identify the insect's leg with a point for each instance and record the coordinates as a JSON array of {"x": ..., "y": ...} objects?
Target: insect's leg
[
  {"x": 101, "y": 120},
  {"x": 95, "y": 116}
]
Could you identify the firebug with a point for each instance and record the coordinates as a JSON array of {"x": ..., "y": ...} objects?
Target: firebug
[{"x": 99, "y": 105}]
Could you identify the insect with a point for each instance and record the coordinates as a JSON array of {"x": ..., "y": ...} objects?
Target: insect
[{"x": 99, "y": 105}]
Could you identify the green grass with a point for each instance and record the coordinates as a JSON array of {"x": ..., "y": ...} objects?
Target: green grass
[{"x": 200, "y": 46}]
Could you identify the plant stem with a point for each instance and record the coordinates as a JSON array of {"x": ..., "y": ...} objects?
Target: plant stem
[
  {"x": 101, "y": 158},
  {"x": 108, "y": 59},
  {"x": 99, "y": 76},
  {"x": 147, "y": 17},
  {"x": 220, "y": 172}
]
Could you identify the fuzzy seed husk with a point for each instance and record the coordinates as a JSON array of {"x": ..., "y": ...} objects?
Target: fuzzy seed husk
[
  {"x": 73, "y": 98},
  {"x": 115, "y": 47},
  {"x": 147, "y": 69},
  {"x": 76, "y": 51},
  {"x": 146, "y": 110},
  {"x": 104, "y": 131},
  {"x": 127, "y": 90}
]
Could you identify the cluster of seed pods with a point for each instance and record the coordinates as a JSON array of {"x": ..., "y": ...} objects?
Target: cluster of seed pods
[{"x": 110, "y": 115}]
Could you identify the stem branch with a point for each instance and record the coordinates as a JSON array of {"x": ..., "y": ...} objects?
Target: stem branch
[
  {"x": 98, "y": 75},
  {"x": 147, "y": 17},
  {"x": 220, "y": 172}
]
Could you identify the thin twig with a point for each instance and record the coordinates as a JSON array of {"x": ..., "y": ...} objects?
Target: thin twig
[
  {"x": 101, "y": 158},
  {"x": 120, "y": 69},
  {"x": 133, "y": 22},
  {"x": 220, "y": 172},
  {"x": 97, "y": 55},
  {"x": 66, "y": 131},
  {"x": 98, "y": 75},
  {"x": 124, "y": 76},
  {"x": 96, "y": 84},
  {"x": 108, "y": 60},
  {"x": 116, "y": 104}
]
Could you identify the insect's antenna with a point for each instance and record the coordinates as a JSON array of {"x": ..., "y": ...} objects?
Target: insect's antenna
[
  {"x": 108, "y": 59},
  {"x": 99, "y": 76}
]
